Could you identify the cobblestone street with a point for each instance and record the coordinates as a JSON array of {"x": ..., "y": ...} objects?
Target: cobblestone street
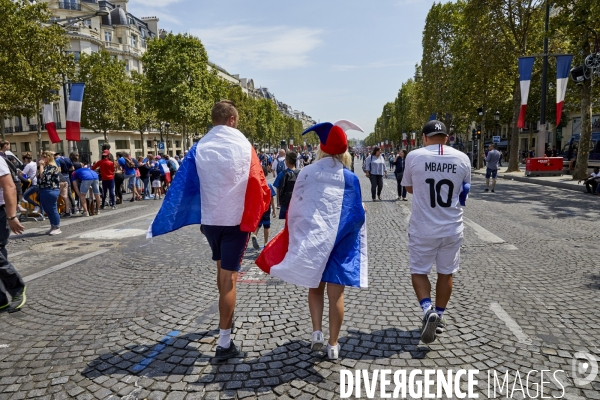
[{"x": 125, "y": 318}]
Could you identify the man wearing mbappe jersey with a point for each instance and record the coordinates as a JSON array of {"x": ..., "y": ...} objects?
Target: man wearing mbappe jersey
[{"x": 435, "y": 175}]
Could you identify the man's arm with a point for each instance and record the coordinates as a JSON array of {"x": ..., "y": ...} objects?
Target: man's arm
[
  {"x": 76, "y": 186},
  {"x": 409, "y": 189},
  {"x": 10, "y": 199}
]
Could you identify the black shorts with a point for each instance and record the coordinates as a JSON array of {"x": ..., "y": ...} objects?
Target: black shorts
[
  {"x": 228, "y": 245},
  {"x": 265, "y": 220}
]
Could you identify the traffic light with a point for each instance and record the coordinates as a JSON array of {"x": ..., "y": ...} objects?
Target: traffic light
[
  {"x": 478, "y": 133},
  {"x": 474, "y": 134}
]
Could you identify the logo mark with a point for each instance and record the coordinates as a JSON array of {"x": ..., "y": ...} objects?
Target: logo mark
[
  {"x": 584, "y": 368},
  {"x": 438, "y": 127}
]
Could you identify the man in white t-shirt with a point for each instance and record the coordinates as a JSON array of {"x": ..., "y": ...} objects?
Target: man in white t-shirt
[
  {"x": 278, "y": 164},
  {"x": 435, "y": 175},
  {"x": 12, "y": 283}
]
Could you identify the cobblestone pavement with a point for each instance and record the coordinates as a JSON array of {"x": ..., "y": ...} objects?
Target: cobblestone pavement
[{"x": 140, "y": 319}]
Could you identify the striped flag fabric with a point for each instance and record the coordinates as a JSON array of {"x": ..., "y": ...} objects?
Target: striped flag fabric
[
  {"x": 220, "y": 182},
  {"x": 525, "y": 71},
  {"x": 324, "y": 238},
  {"x": 49, "y": 123},
  {"x": 74, "y": 112},
  {"x": 563, "y": 66}
]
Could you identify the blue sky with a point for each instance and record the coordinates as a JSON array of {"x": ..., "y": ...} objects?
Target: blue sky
[{"x": 331, "y": 59}]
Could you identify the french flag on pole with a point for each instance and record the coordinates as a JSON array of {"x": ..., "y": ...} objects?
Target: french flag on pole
[
  {"x": 525, "y": 71},
  {"x": 563, "y": 66},
  {"x": 74, "y": 112},
  {"x": 49, "y": 123},
  {"x": 220, "y": 182}
]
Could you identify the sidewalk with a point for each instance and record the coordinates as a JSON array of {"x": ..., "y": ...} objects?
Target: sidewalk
[{"x": 562, "y": 182}]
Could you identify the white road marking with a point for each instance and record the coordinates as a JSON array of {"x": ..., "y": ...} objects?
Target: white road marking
[
  {"x": 18, "y": 253},
  {"x": 75, "y": 220},
  {"x": 109, "y": 226},
  {"x": 3, "y": 346},
  {"x": 483, "y": 233},
  {"x": 511, "y": 324},
  {"x": 66, "y": 264},
  {"x": 113, "y": 234}
]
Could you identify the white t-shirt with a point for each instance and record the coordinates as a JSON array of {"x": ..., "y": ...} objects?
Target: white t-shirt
[
  {"x": 274, "y": 164},
  {"x": 436, "y": 174},
  {"x": 3, "y": 171},
  {"x": 31, "y": 171}
]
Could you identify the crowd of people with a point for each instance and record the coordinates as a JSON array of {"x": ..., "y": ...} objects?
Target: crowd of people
[{"x": 58, "y": 187}]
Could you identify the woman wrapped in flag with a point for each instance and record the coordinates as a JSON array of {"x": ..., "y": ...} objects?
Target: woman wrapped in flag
[{"x": 324, "y": 242}]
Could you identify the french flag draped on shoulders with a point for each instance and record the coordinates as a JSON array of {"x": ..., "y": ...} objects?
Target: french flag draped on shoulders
[
  {"x": 325, "y": 237},
  {"x": 220, "y": 183}
]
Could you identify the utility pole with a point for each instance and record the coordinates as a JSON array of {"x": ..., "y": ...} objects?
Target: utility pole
[{"x": 541, "y": 136}]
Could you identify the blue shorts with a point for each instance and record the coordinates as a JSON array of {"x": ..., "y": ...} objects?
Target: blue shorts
[
  {"x": 85, "y": 186},
  {"x": 266, "y": 220},
  {"x": 228, "y": 245},
  {"x": 491, "y": 172}
]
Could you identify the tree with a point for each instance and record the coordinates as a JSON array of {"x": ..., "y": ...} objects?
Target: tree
[
  {"x": 141, "y": 116},
  {"x": 33, "y": 60},
  {"x": 108, "y": 93},
  {"x": 181, "y": 87},
  {"x": 578, "y": 20}
]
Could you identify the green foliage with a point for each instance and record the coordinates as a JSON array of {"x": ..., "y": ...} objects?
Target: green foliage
[
  {"x": 109, "y": 96},
  {"x": 33, "y": 59}
]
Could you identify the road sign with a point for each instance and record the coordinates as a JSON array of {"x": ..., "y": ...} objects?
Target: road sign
[
  {"x": 161, "y": 145},
  {"x": 496, "y": 139},
  {"x": 452, "y": 139}
]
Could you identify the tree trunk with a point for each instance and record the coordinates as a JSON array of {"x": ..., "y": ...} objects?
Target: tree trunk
[
  {"x": 184, "y": 138},
  {"x": 586, "y": 131},
  {"x": 142, "y": 138},
  {"x": 39, "y": 132},
  {"x": 481, "y": 150},
  {"x": 2, "y": 126},
  {"x": 513, "y": 158},
  {"x": 105, "y": 136}
]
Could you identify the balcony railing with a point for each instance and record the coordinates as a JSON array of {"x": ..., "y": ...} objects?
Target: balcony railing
[
  {"x": 66, "y": 5},
  {"x": 9, "y": 129},
  {"x": 18, "y": 129},
  {"x": 33, "y": 127}
]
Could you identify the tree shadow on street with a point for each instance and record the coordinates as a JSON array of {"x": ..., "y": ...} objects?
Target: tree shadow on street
[{"x": 294, "y": 360}]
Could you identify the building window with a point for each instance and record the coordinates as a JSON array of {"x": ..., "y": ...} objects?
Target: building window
[
  {"x": 13, "y": 147},
  {"x": 177, "y": 143},
  {"x": 149, "y": 144},
  {"x": 138, "y": 154},
  {"x": 134, "y": 40},
  {"x": 76, "y": 55},
  {"x": 46, "y": 146},
  {"x": 122, "y": 144},
  {"x": 88, "y": 23},
  {"x": 60, "y": 148},
  {"x": 108, "y": 36},
  {"x": 25, "y": 147},
  {"x": 120, "y": 40},
  {"x": 127, "y": 65},
  {"x": 137, "y": 144}
]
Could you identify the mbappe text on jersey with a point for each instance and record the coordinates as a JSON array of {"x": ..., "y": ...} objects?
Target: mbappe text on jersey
[{"x": 461, "y": 383}]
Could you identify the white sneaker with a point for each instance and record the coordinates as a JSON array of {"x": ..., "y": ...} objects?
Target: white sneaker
[
  {"x": 86, "y": 214},
  {"x": 21, "y": 209},
  {"x": 36, "y": 210},
  {"x": 333, "y": 352},
  {"x": 317, "y": 341},
  {"x": 56, "y": 231}
]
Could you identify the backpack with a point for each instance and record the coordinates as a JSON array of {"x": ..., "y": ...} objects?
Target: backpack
[
  {"x": 280, "y": 166},
  {"x": 287, "y": 187},
  {"x": 129, "y": 163},
  {"x": 171, "y": 166}
]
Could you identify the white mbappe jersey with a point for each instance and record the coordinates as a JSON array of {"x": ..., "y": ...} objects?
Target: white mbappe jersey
[{"x": 436, "y": 174}]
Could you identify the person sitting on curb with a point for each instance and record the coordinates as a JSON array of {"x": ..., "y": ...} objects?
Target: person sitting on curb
[{"x": 591, "y": 181}]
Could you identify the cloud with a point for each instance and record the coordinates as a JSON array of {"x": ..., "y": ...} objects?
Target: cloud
[
  {"x": 374, "y": 64},
  {"x": 153, "y": 3},
  {"x": 277, "y": 47}
]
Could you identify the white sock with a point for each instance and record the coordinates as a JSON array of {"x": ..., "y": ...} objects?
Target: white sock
[
  {"x": 425, "y": 305},
  {"x": 224, "y": 338}
]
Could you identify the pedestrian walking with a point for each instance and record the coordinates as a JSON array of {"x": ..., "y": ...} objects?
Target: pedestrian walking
[
  {"x": 284, "y": 183},
  {"x": 12, "y": 283},
  {"x": 278, "y": 165},
  {"x": 49, "y": 182},
  {"x": 435, "y": 175},
  {"x": 376, "y": 168},
  {"x": 222, "y": 187},
  {"x": 399, "y": 164},
  {"x": 493, "y": 160},
  {"x": 144, "y": 168},
  {"x": 155, "y": 175},
  {"x": 326, "y": 204},
  {"x": 265, "y": 221},
  {"x": 30, "y": 170}
]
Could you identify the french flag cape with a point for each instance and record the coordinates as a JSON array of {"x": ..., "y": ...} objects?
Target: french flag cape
[
  {"x": 324, "y": 238},
  {"x": 220, "y": 183}
]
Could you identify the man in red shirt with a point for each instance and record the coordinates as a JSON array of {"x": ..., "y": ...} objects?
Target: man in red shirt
[{"x": 107, "y": 172}]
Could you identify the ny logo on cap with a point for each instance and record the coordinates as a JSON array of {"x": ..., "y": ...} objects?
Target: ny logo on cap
[{"x": 438, "y": 127}]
